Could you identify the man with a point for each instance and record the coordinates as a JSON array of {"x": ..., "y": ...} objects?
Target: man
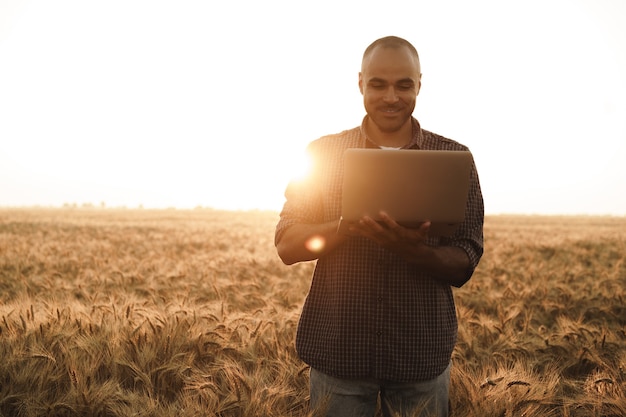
[{"x": 380, "y": 317}]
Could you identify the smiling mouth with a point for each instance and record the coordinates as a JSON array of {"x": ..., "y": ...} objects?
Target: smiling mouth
[{"x": 390, "y": 110}]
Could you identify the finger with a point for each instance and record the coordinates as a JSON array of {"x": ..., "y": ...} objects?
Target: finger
[
  {"x": 364, "y": 227},
  {"x": 389, "y": 222},
  {"x": 371, "y": 224},
  {"x": 423, "y": 230},
  {"x": 375, "y": 231}
]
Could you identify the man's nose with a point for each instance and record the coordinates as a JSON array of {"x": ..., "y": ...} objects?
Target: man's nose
[{"x": 390, "y": 95}]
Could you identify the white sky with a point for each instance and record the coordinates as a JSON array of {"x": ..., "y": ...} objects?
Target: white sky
[{"x": 187, "y": 103}]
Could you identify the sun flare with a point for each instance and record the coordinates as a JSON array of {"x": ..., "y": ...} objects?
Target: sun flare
[{"x": 300, "y": 165}]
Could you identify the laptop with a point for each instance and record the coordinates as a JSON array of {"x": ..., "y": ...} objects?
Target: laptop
[{"x": 412, "y": 186}]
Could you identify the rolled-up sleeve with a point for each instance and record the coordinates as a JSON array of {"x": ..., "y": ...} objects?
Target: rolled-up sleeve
[{"x": 469, "y": 236}]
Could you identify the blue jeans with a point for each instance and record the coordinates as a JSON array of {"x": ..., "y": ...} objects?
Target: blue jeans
[{"x": 358, "y": 398}]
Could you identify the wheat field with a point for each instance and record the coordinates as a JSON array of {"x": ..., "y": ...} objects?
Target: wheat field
[{"x": 109, "y": 312}]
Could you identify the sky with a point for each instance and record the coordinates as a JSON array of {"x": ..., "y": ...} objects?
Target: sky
[{"x": 188, "y": 103}]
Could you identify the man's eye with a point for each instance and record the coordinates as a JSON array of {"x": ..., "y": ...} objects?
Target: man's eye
[{"x": 405, "y": 87}]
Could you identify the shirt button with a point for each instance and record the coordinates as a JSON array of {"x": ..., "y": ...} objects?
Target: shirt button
[{"x": 379, "y": 333}]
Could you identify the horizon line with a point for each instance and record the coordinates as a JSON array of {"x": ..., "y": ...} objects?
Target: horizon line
[{"x": 139, "y": 207}]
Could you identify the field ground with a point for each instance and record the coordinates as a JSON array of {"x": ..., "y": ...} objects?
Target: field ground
[{"x": 191, "y": 313}]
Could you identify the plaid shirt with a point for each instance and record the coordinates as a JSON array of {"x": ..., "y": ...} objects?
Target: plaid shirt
[{"x": 369, "y": 313}]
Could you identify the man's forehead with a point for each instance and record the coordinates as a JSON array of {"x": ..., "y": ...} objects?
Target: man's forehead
[
  {"x": 405, "y": 80},
  {"x": 390, "y": 72}
]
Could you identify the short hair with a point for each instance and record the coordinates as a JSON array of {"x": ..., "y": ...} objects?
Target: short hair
[{"x": 391, "y": 42}]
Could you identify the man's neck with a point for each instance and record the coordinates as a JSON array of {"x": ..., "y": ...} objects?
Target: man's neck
[{"x": 396, "y": 139}]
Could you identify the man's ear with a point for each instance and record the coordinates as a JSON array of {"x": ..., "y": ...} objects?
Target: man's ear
[
  {"x": 419, "y": 84},
  {"x": 361, "y": 82}
]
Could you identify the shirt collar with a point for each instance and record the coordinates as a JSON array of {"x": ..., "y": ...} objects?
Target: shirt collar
[{"x": 416, "y": 137}]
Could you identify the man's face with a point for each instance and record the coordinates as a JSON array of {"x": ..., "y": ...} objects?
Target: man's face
[{"x": 390, "y": 81}]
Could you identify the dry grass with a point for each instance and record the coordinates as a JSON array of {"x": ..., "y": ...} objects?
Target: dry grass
[{"x": 160, "y": 313}]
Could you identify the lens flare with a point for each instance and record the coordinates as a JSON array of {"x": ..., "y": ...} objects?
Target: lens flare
[{"x": 315, "y": 244}]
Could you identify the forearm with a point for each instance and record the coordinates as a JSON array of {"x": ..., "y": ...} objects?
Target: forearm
[{"x": 306, "y": 242}]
